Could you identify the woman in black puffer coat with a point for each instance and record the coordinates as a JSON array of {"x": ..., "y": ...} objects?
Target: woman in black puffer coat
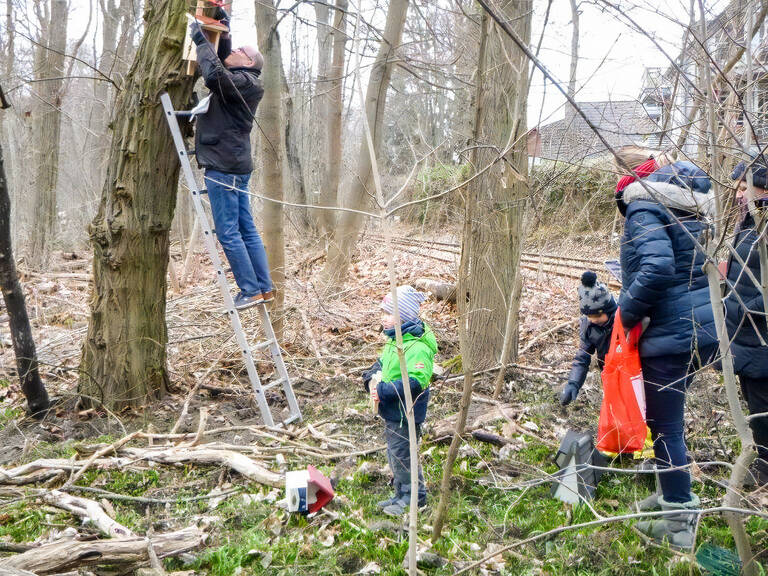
[
  {"x": 665, "y": 287},
  {"x": 750, "y": 356}
]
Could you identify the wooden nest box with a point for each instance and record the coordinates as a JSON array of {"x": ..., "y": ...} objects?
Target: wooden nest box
[{"x": 211, "y": 28}]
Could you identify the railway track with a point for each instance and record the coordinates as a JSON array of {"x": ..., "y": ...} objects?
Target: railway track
[{"x": 566, "y": 266}]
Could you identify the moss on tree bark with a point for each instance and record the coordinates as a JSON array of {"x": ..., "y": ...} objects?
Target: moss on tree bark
[{"x": 124, "y": 355}]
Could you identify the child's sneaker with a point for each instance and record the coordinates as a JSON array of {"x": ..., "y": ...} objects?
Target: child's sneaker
[
  {"x": 384, "y": 503},
  {"x": 397, "y": 508},
  {"x": 401, "y": 505},
  {"x": 242, "y": 302}
]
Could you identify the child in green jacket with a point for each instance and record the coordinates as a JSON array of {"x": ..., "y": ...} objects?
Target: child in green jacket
[{"x": 384, "y": 382}]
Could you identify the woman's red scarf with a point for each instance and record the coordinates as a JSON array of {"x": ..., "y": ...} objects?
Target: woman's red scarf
[{"x": 646, "y": 168}]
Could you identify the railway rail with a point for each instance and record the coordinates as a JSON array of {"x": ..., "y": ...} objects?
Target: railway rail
[{"x": 547, "y": 263}]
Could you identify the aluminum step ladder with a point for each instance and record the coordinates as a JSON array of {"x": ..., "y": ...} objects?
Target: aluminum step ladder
[{"x": 283, "y": 379}]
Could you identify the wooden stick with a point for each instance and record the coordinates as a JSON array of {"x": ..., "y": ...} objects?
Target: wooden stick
[
  {"x": 111, "y": 448},
  {"x": 88, "y": 510},
  {"x": 541, "y": 337},
  {"x": 143, "y": 500},
  {"x": 200, "y": 426}
]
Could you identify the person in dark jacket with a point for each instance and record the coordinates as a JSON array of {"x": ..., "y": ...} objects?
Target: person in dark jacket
[
  {"x": 598, "y": 307},
  {"x": 223, "y": 150},
  {"x": 663, "y": 281},
  {"x": 385, "y": 385},
  {"x": 750, "y": 355}
]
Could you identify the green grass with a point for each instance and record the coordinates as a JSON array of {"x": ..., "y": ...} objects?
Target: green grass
[
  {"x": 478, "y": 513},
  {"x": 9, "y": 414},
  {"x": 485, "y": 508}
]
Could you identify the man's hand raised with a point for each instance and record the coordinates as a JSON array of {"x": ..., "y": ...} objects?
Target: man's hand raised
[{"x": 196, "y": 33}]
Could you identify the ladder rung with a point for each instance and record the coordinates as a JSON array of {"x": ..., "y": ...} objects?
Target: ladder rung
[
  {"x": 272, "y": 384},
  {"x": 262, "y": 345},
  {"x": 291, "y": 418}
]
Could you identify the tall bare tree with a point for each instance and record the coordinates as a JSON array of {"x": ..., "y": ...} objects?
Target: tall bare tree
[
  {"x": 21, "y": 331},
  {"x": 49, "y": 73},
  {"x": 349, "y": 223},
  {"x": 334, "y": 103},
  {"x": 462, "y": 304},
  {"x": 574, "y": 48},
  {"x": 124, "y": 354},
  {"x": 502, "y": 190},
  {"x": 10, "y": 38},
  {"x": 271, "y": 124}
]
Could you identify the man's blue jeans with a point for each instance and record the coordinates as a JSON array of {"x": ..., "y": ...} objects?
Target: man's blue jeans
[{"x": 236, "y": 231}]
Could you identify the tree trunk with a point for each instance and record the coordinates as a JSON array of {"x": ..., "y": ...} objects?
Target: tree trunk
[
  {"x": 124, "y": 356},
  {"x": 334, "y": 102},
  {"x": 574, "y": 49},
  {"x": 293, "y": 156},
  {"x": 500, "y": 192},
  {"x": 462, "y": 303},
  {"x": 49, "y": 60},
  {"x": 10, "y": 39},
  {"x": 21, "y": 331},
  {"x": 271, "y": 123},
  {"x": 349, "y": 223}
]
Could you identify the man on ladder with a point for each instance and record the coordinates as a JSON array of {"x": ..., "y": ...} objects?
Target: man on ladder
[{"x": 223, "y": 149}]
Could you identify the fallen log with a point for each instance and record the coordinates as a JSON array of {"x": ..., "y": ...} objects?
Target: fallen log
[
  {"x": 201, "y": 455},
  {"x": 479, "y": 415},
  {"x": 490, "y": 438},
  {"x": 15, "y": 572},
  {"x": 71, "y": 554},
  {"x": 440, "y": 290},
  {"x": 45, "y": 468}
]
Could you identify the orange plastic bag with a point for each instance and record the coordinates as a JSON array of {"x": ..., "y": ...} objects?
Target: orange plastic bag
[{"x": 621, "y": 428}]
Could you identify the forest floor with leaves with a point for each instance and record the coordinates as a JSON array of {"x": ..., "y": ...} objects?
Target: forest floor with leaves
[{"x": 501, "y": 495}]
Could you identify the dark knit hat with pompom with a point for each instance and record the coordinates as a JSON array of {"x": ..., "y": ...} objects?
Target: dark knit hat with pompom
[{"x": 594, "y": 296}]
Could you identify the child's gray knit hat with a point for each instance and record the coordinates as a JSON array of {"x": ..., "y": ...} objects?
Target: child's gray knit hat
[
  {"x": 594, "y": 296},
  {"x": 408, "y": 302}
]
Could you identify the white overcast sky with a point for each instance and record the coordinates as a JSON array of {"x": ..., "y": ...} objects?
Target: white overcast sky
[{"x": 612, "y": 56}]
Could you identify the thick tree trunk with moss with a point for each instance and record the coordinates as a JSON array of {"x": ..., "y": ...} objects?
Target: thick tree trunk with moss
[
  {"x": 124, "y": 355},
  {"x": 270, "y": 118},
  {"x": 49, "y": 70},
  {"x": 349, "y": 223},
  {"x": 501, "y": 192}
]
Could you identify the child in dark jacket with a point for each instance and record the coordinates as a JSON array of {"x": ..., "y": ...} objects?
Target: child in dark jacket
[
  {"x": 385, "y": 385},
  {"x": 599, "y": 308}
]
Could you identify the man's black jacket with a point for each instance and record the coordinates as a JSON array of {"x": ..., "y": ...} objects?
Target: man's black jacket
[{"x": 223, "y": 135}]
